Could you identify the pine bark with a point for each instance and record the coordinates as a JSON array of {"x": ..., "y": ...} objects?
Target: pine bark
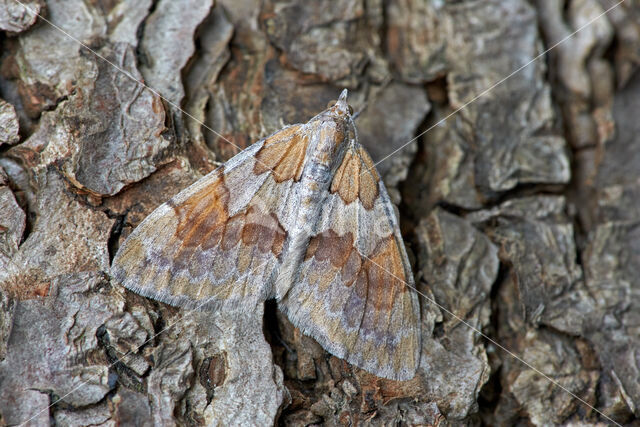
[{"x": 516, "y": 172}]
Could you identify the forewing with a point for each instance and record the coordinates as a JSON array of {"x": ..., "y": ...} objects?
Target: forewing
[
  {"x": 220, "y": 241},
  {"x": 354, "y": 290}
]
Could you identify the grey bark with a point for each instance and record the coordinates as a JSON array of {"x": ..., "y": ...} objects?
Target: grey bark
[{"x": 520, "y": 209}]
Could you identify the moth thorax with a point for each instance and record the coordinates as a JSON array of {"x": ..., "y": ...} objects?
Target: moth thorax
[{"x": 330, "y": 141}]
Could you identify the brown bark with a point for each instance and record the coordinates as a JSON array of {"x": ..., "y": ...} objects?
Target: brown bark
[{"x": 520, "y": 209}]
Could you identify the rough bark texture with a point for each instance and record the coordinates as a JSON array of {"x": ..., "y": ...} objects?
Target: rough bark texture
[{"x": 521, "y": 210}]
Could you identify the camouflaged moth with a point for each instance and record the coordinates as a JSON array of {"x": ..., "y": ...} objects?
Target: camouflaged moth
[{"x": 301, "y": 216}]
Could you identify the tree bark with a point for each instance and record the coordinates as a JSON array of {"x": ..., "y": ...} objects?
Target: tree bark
[{"x": 516, "y": 172}]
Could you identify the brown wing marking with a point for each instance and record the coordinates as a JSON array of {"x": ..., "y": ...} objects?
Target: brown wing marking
[
  {"x": 284, "y": 154},
  {"x": 358, "y": 307},
  {"x": 190, "y": 249},
  {"x": 356, "y": 178},
  {"x": 201, "y": 220}
]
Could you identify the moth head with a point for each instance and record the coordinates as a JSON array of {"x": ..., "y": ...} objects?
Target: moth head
[
  {"x": 340, "y": 107},
  {"x": 341, "y": 114}
]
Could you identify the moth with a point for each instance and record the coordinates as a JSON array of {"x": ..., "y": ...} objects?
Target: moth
[{"x": 301, "y": 216}]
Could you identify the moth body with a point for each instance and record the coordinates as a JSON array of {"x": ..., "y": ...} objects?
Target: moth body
[{"x": 327, "y": 145}]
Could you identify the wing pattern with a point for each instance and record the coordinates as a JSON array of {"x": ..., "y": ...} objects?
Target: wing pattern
[
  {"x": 351, "y": 294},
  {"x": 220, "y": 241}
]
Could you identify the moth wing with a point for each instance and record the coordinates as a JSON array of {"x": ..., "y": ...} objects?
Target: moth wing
[
  {"x": 219, "y": 241},
  {"x": 351, "y": 294}
]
